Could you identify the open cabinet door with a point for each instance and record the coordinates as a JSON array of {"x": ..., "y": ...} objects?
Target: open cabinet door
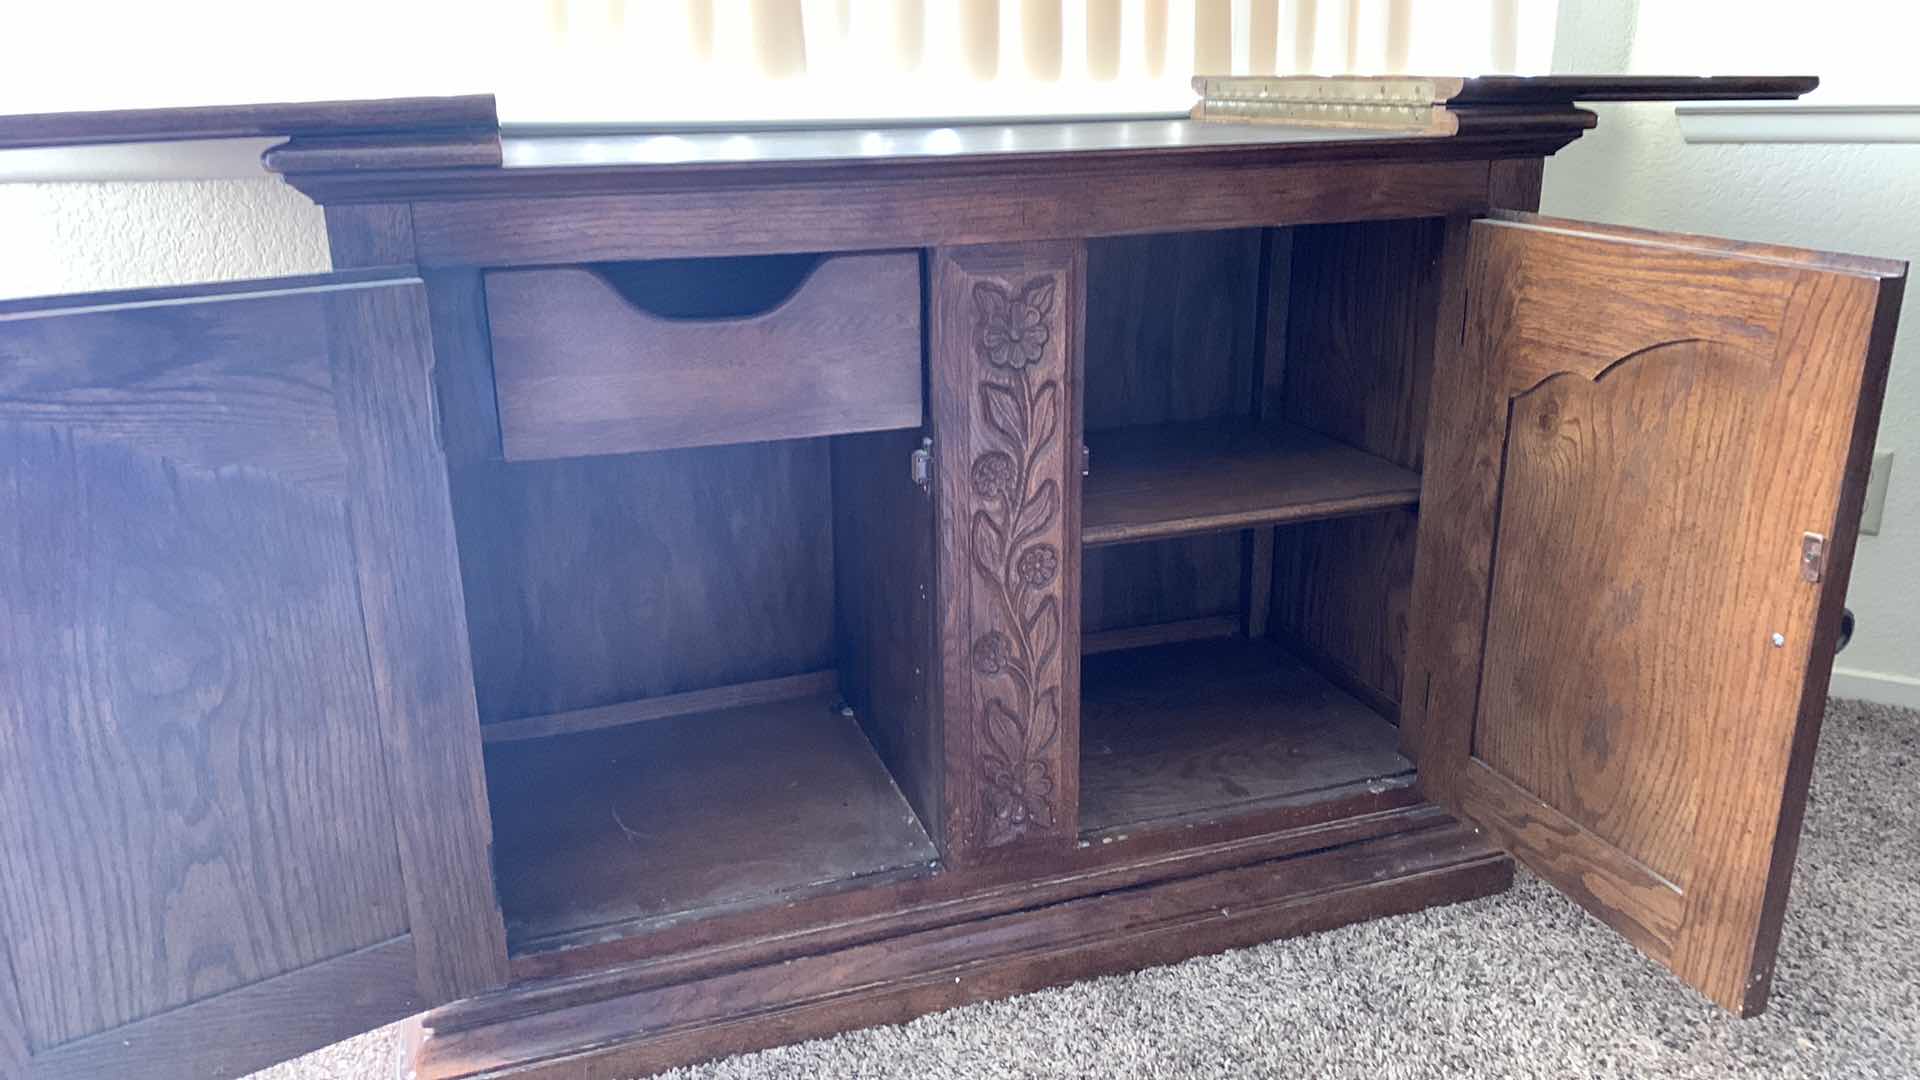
[
  {"x": 1643, "y": 484},
  {"x": 241, "y": 805}
]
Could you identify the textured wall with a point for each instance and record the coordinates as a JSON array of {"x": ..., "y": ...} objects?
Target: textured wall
[
  {"x": 1862, "y": 199},
  {"x": 72, "y": 237}
]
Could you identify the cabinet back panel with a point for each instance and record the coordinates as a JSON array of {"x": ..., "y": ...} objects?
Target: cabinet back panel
[
  {"x": 1170, "y": 327},
  {"x": 1171, "y": 336},
  {"x": 1160, "y": 581},
  {"x": 595, "y": 581},
  {"x": 1362, "y": 307}
]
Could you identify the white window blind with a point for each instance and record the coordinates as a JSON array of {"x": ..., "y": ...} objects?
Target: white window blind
[{"x": 704, "y": 61}]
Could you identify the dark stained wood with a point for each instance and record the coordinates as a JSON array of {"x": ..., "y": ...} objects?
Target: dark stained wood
[
  {"x": 1360, "y": 333},
  {"x": 1173, "y": 480},
  {"x": 883, "y": 565},
  {"x": 598, "y": 581},
  {"x": 1156, "y": 582},
  {"x": 1514, "y": 183},
  {"x": 252, "y": 1027},
  {"x": 373, "y": 153},
  {"x": 582, "y": 368},
  {"x": 209, "y": 517},
  {"x": 609, "y": 832},
  {"x": 1535, "y": 89},
  {"x": 914, "y": 212},
  {"x": 1341, "y": 596},
  {"x": 1211, "y": 727},
  {"x": 892, "y": 981},
  {"x": 469, "y": 413},
  {"x": 1134, "y": 637},
  {"x": 1365, "y": 301},
  {"x": 410, "y": 602},
  {"x": 728, "y": 941},
  {"x": 1172, "y": 334},
  {"x": 1646, "y": 908},
  {"x": 405, "y": 116},
  {"x": 374, "y": 234},
  {"x": 664, "y": 707},
  {"x": 1005, "y": 358},
  {"x": 1650, "y": 401}
]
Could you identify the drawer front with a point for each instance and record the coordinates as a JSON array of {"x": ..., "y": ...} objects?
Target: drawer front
[{"x": 580, "y": 369}]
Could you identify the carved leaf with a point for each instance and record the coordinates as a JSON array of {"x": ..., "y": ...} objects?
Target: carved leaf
[
  {"x": 988, "y": 544},
  {"x": 1046, "y": 726},
  {"x": 1043, "y": 630},
  {"x": 991, "y": 302},
  {"x": 1038, "y": 295},
  {"x": 1038, "y": 511},
  {"x": 1046, "y": 416},
  {"x": 1005, "y": 413}
]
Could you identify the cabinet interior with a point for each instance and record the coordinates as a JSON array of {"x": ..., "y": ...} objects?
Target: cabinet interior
[
  {"x": 1255, "y": 412},
  {"x": 704, "y": 674},
  {"x": 687, "y": 675}
]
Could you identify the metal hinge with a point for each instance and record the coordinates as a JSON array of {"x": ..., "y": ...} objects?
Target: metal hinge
[
  {"x": 1086, "y": 460},
  {"x": 1813, "y": 556},
  {"x": 920, "y": 465}
]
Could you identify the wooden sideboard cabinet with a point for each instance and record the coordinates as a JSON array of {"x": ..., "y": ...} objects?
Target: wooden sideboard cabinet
[{"x": 667, "y": 596}]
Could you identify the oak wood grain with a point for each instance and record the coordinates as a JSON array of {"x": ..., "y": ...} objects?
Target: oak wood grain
[
  {"x": 580, "y": 368},
  {"x": 596, "y": 581},
  {"x": 604, "y": 833},
  {"x": 249, "y": 715},
  {"x": 1659, "y": 422},
  {"x": 664, "y": 707},
  {"x": 1005, "y": 362},
  {"x": 729, "y": 941},
  {"x": 884, "y": 590},
  {"x": 1212, "y": 728},
  {"x": 253, "y": 1027},
  {"x": 894, "y": 980},
  {"x": 904, "y": 213},
  {"x": 1173, "y": 480}
]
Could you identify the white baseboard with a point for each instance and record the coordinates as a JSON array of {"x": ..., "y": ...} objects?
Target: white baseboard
[{"x": 1879, "y": 686}]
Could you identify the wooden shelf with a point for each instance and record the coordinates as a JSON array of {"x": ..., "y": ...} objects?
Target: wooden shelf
[
  {"x": 611, "y": 832},
  {"x": 1200, "y": 730},
  {"x": 1149, "y": 483}
]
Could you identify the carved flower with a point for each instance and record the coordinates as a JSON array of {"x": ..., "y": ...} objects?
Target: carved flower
[
  {"x": 992, "y": 474},
  {"x": 1012, "y": 331},
  {"x": 1038, "y": 564},
  {"x": 991, "y": 652},
  {"x": 1018, "y": 792}
]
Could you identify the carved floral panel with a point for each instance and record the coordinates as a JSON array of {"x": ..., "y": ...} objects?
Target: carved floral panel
[{"x": 1013, "y": 534}]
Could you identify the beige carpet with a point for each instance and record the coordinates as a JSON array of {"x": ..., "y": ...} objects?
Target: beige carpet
[{"x": 1518, "y": 985}]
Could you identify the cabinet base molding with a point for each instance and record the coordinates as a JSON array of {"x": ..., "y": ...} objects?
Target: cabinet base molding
[{"x": 895, "y": 979}]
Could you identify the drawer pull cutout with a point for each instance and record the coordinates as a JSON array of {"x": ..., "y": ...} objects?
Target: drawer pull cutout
[{"x": 580, "y": 368}]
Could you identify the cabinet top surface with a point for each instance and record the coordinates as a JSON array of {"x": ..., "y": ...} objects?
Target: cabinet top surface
[{"x": 428, "y": 148}]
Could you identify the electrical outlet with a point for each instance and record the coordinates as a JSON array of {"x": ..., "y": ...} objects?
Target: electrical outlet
[{"x": 1876, "y": 493}]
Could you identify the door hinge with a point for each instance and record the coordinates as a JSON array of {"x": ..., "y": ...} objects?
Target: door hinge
[
  {"x": 920, "y": 465},
  {"x": 1086, "y": 460},
  {"x": 1813, "y": 556}
]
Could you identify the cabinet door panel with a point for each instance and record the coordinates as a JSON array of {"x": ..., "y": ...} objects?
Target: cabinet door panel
[
  {"x": 241, "y": 812},
  {"x": 1620, "y": 665}
]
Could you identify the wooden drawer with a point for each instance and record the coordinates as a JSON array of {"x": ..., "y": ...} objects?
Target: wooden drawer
[{"x": 582, "y": 366}]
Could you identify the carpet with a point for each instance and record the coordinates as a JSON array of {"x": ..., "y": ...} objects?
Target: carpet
[{"x": 1518, "y": 985}]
